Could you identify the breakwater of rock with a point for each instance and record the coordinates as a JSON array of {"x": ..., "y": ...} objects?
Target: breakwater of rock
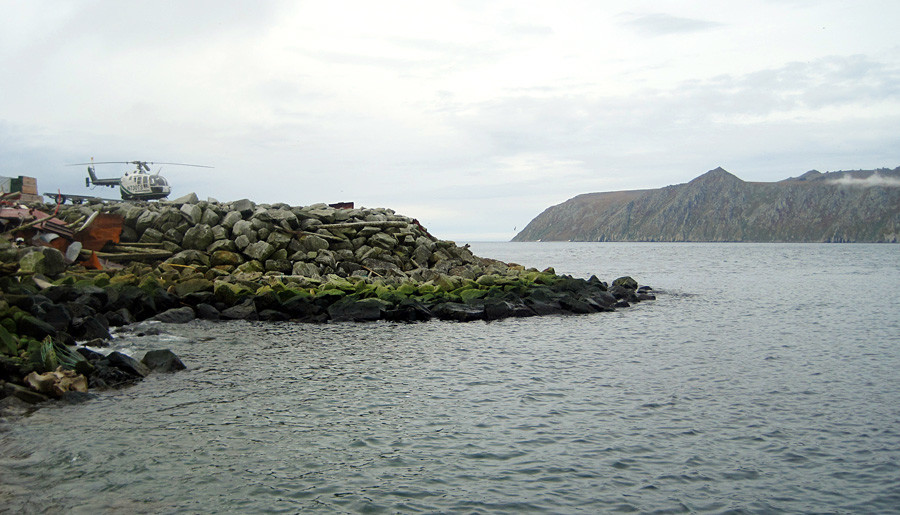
[{"x": 177, "y": 261}]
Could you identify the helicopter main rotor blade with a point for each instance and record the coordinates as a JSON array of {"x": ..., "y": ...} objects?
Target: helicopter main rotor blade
[
  {"x": 102, "y": 163},
  {"x": 136, "y": 163},
  {"x": 178, "y": 164}
]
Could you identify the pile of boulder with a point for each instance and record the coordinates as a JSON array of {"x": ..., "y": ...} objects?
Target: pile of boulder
[
  {"x": 309, "y": 241},
  {"x": 178, "y": 261}
]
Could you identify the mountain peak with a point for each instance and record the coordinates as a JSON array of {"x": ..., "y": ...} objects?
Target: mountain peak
[{"x": 717, "y": 174}]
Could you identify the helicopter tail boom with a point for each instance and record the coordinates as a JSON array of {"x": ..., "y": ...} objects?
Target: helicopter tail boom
[{"x": 100, "y": 182}]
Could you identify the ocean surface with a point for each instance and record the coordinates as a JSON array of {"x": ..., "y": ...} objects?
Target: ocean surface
[{"x": 764, "y": 378}]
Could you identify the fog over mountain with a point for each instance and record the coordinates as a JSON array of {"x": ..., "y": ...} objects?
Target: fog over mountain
[{"x": 842, "y": 206}]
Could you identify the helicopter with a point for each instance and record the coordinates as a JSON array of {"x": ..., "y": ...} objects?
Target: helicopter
[{"x": 139, "y": 184}]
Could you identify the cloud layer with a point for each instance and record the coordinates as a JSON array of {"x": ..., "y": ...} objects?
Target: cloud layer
[{"x": 472, "y": 117}]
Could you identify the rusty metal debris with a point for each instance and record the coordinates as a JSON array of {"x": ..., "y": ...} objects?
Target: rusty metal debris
[{"x": 78, "y": 241}]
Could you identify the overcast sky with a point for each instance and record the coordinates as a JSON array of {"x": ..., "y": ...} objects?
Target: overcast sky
[{"x": 472, "y": 116}]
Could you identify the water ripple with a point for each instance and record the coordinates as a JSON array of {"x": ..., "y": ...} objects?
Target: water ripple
[{"x": 727, "y": 394}]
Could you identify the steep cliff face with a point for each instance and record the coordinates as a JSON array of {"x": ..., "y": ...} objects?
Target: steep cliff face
[{"x": 855, "y": 206}]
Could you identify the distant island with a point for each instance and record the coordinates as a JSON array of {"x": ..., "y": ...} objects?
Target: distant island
[{"x": 841, "y": 206}]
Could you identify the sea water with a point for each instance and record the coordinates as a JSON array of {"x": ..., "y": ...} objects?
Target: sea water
[{"x": 764, "y": 378}]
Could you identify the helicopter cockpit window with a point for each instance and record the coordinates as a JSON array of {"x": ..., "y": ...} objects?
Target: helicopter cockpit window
[{"x": 157, "y": 181}]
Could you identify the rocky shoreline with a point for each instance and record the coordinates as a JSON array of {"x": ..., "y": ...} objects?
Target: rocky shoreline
[{"x": 178, "y": 261}]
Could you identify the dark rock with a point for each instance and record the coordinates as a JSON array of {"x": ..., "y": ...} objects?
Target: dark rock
[
  {"x": 575, "y": 305},
  {"x": 199, "y": 297},
  {"x": 409, "y": 310},
  {"x": 89, "y": 354},
  {"x": 136, "y": 300},
  {"x": 626, "y": 282},
  {"x": 243, "y": 311},
  {"x": 59, "y": 294},
  {"x": 596, "y": 305},
  {"x": 458, "y": 312},
  {"x": 623, "y": 293},
  {"x": 36, "y": 328},
  {"x": 301, "y": 307},
  {"x": 91, "y": 327},
  {"x": 180, "y": 315},
  {"x": 358, "y": 310},
  {"x": 543, "y": 308},
  {"x": 268, "y": 300},
  {"x": 57, "y": 315},
  {"x": 119, "y": 317},
  {"x": 164, "y": 300},
  {"x": 605, "y": 297},
  {"x": 495, "y": 309},
  {"x": 94, "y": 302},
  {"x": 273, "y": 315},
  {"x": 544, "y": 301},
  {"x": 162, "y": 360},
  {"x": 127, "y": 364},
  {"x": 207, "y": 311},
  {"x": 24, "y": 394}
]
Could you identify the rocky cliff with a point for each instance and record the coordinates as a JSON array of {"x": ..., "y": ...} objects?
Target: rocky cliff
[{"x": 846, "y": 206}]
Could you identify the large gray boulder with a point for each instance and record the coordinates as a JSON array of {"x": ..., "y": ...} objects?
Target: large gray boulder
[
  {"x": 189, "y": 257},
  {"x": 151, "y": 235},
  {"x": 275, "y": 216},
  {"x": 145, "y": 220},
  {"x": 190, "y": 198},
  {"x": 231, "y": 218},
  {"x": 210, "y": 217},
  {"x": 243, "y": 228},
  {"x": 259, "y": 251},
  {"x": 244, "y": 207},
  {"x": 198, "y": 237},
  {"x": 193, "y": 212},
  {"x": 223, "y": 245},
  {"x": 383, "y": 240},
  {"x": 279, "y": 239},
  {"x": 306, "y": 270},
  {"x": 313, "y": 243}
]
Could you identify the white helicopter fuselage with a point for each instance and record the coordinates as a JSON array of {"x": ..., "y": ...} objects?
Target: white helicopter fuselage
[{"x": 143, "y": 186}]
